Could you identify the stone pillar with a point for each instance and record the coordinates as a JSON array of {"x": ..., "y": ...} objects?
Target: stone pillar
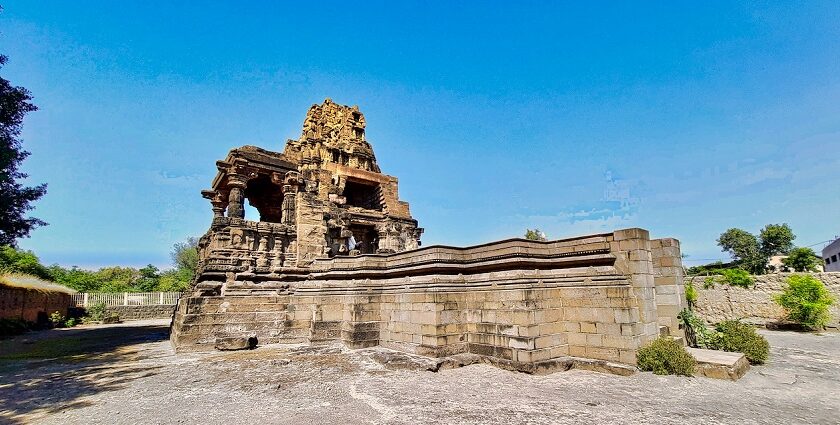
[
  {"x": 216, "y": 200},
  {"x": 633, "y": 258},
  {"x": 236, "y": 198},
  {"x": 668, "y": 277},
  {"x": 218, "y": 209},
  {"x": 289, "y": 194},
  {"x": 290, "y": 182}
]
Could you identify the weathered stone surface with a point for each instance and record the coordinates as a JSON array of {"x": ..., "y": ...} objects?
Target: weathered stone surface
[
  {"x": 110, "y": 320},
  {"x": 756, "y": 305},
  {"x": 236, "y": 343},
  {"x": 142, "y": 312},
  {"x": 719, "y": 364},
  {"x": 280, "y": 384}
]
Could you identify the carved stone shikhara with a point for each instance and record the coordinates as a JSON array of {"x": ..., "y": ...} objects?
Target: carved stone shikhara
[{"x": 335, "y": 255}]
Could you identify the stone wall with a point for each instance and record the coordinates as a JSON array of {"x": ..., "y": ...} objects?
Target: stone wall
[
  {"x": 141, "y": 312},
  {"x": 29, "y": 304},
  {"x": 668, "y": 278},
  {"x": 724, "y": 302},
  {"x": 517, "y": 302}
]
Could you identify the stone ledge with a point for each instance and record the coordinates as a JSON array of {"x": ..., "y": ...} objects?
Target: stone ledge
[{"x": 719, "y": 364}]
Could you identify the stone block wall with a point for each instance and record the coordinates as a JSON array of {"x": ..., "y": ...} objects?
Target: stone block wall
[
  {"x": 724, "y": 302},
  {"x": 517, "y": 302},
  {"x": 142, "y": 312},
  {"x": 28, "y": 304},
  {"x": 632, "y": 248},
  {"x": 519, "y": 326},
  {"x": 668, "y": 279}
]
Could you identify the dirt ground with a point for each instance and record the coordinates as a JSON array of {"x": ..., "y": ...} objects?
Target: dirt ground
[{"x": 128, "y": 374}]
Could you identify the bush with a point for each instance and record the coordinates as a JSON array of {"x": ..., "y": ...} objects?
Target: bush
[
  {"x": 732, "y": 277},
  {"x": 806, "y": 301},
  {"x": 57, "y": 320},
  {"x": 664, "y": 356},
  {"x": 696, "y": 333},
  {"x": 96, "y": 312},
  {"x": 690, "y": 293},
  {"x": 71, "y": 322},
  {"x": 737, "y": 277},
  {"x": 741, "y": 338}
]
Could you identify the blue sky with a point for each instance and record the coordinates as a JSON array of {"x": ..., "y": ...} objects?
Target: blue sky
[{"x": 682, "y": 118}]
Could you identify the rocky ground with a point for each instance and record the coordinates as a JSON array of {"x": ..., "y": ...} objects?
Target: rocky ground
[{"x": 128, "y": 374}]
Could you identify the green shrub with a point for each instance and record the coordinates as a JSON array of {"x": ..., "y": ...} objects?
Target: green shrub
[
  {"x": 732, "y": 277},
  {"x": 71, "y": 322},
  {"x": 57, "y": 320},
  {"x": 664, "y": 356},
  {"x": 96, "y": 312},
  {"x": 690, "y": 293},
  {"x": 741, "y": 338},
  {"x": 806, "y": 301},
  {"x": 696, "y": 333},
  {"x": 737, "y": 277}
]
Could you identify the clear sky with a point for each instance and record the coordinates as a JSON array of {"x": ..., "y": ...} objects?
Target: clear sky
[{"x": 682, "y": 118}]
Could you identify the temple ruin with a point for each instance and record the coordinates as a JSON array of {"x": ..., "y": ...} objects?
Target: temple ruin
[{"x": 335, "y": 256}]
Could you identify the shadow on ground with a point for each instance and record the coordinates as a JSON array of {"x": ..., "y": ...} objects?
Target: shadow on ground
[{"x": 48, "y": 372}]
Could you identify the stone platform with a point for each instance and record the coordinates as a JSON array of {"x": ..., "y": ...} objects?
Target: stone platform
[
  {"x": 719, "y": 364},
  {"x": 516, "y": 302}
]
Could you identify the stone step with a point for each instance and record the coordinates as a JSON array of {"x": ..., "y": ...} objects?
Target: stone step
[{"x": 719, "y": 364}]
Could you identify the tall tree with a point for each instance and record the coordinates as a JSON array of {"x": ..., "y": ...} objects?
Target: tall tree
[
  {"x": 745, "y": 248},
  {"x": 776, "y": 239},
  {"x": 15, "y": 198},
  {"x": 751, "y": 252},
  {"x": 185, "y": 254}
]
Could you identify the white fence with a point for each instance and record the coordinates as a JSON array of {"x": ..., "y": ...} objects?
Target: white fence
[{"x": 111, "y": 299}]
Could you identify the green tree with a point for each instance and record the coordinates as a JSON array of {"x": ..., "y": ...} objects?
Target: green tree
[
  {"x": 534, "y": 235},
  {"x": 76, "y": 278},
  {"x": 117, "y": 279},
  {"x": 776, "y": 239},
  {"x": 13, "y": 260},
  {"x": 744, "y": 247},
  {"x": 176, "y": 280},
  {"x": 185, "y": 254},
  {"x": 802, "y": 260},
  {"x": 753, "y": 252},
  {"x": 149, "y": 279},
  {"x": 15, "y": 198},
  {"x": 185, "y": 259}
]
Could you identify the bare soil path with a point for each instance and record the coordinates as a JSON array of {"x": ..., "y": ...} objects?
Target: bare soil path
[{"x": 128, "y": 374}]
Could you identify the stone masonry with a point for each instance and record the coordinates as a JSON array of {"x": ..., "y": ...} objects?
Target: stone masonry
[
  {"x": 756, "y": 305},
  {"x": 335, "y": 256}
]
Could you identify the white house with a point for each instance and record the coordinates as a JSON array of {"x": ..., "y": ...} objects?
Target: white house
[{"x": 831, "y": 256}]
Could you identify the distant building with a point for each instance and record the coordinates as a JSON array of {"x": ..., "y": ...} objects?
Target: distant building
[{"x": 831, "y": 256}]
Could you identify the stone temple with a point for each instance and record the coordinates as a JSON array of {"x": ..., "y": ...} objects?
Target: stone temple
[{"x": 335, "y": 256}]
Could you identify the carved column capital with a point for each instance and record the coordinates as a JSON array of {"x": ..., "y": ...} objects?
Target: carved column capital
[
  {"x": 217, "y": 200},
  {"x": 237, "y": 180}
]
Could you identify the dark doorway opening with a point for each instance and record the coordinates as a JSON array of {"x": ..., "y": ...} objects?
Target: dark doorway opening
[
  {"x": 363, "y": 195},
  {"x": 367, "y": 240}
]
